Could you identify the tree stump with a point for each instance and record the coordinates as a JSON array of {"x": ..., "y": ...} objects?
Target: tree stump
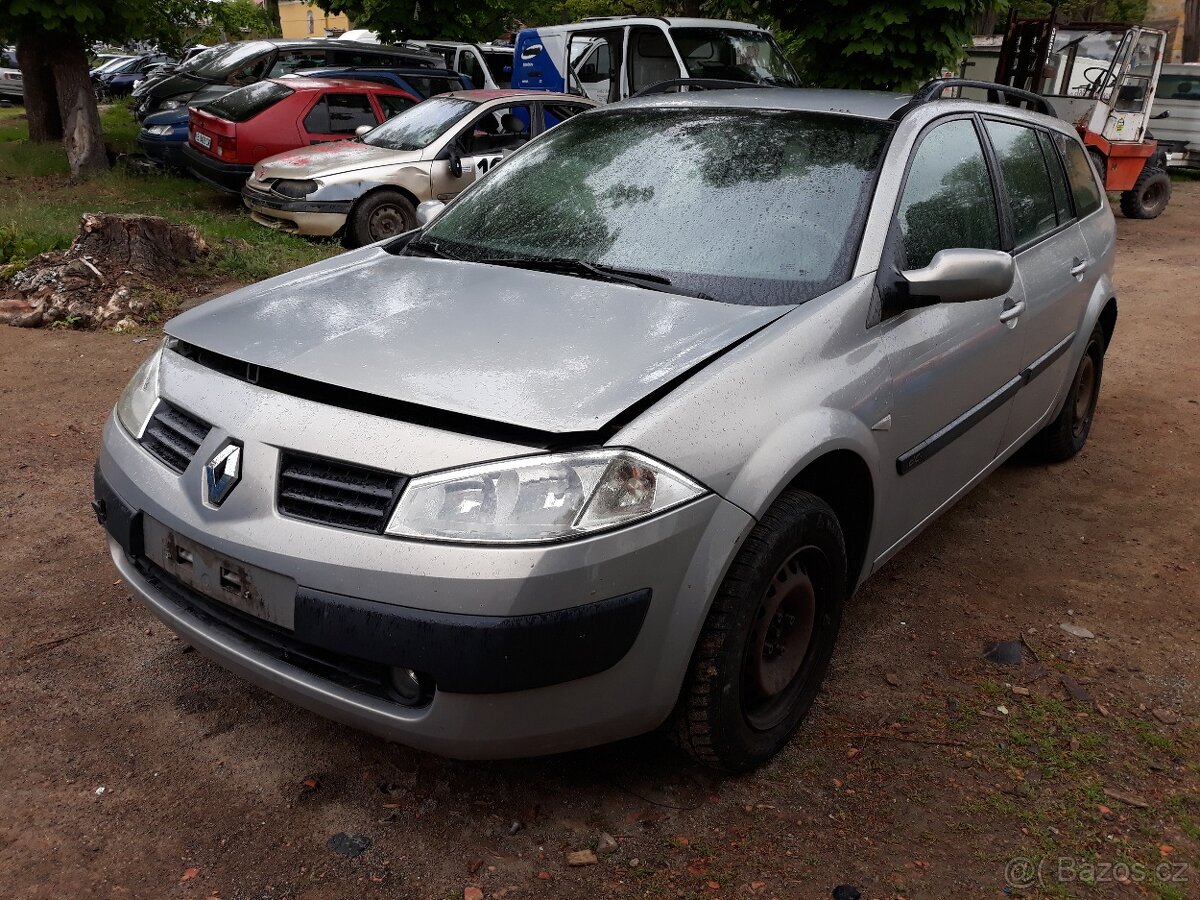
[{"x": 95, "y": 282}]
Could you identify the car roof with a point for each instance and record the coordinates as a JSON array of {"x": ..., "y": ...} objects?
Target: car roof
[
  {"x": 863, "y": 104},
  {"x": 669, "y": 21},
  {"x": 399, "y": 71},
  {"x": 314, "y": 83},
  {"x": 483, "y": 95}
]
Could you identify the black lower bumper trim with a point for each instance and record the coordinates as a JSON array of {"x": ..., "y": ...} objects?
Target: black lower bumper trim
[
  {"x": 228, "y": 177},
  {"x": 253, "y": 198},
  {"x": 362, "y": 639}
]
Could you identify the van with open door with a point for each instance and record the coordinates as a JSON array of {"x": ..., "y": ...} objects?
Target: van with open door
[{"x": 610, "y": 58}]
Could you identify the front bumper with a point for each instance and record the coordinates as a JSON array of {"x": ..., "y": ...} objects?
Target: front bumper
[
  {"x": 164, "y": 151},
  {"x": 228, "y": 177},
  {"x": 317, "y": 218},
  {"x": 531, "y": 650}
]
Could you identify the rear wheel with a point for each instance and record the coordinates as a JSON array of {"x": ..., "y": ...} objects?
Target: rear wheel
[
  {"x": 379, "y": 215},
  {"x": 1066, "y": 435},
  {"x": 1149, "y": 195},
  {"x": 767, "y": 642}
]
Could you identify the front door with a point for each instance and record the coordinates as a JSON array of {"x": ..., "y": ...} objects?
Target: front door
[
  {"x": 594, "y": 64},
  {"x": 954, "y": 365},
  {"x": 479, "y": 145}
]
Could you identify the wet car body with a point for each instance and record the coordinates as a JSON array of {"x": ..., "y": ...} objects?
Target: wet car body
[{"x": 382, "y": 469}]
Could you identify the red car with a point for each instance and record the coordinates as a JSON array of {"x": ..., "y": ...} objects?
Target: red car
[{"x": 227, "y": 136}]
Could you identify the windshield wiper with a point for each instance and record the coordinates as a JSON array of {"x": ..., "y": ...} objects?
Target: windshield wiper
[
  {"x": 598, "y": 271},
  {"x": 426, "y": 247}
]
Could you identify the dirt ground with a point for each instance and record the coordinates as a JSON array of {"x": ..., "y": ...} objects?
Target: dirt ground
[{"x": 130, "y": 767}]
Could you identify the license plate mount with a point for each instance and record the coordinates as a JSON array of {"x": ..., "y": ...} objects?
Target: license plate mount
[
  {"x": 203, "y": 139},
  {"x": 257, "y": 592}
]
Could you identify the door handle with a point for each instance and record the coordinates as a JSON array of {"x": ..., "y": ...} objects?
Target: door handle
[
  {"x": 1080, "y": 266},
  {"x": 1012, "y": 311}
]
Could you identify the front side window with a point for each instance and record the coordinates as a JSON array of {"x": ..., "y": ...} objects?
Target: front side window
[
  {"x": 1179, "y": 87},
  {"x": 420, "y": 126},
  {"x": 948, "y": 200},
  {"x": 339, "y": 114},
  {"x": 506, "y": 128},
  {"x": 758, "y": 207},
  {"x": 651, "y": 59},
  {"x": 290, "y": 61},
  {"x": 1080, "y": 174},
  {"x": 1026, "y": 180}
]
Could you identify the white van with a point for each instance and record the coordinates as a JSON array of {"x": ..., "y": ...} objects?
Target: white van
[
  {"x": 485, "y": 65},
  {"x": 1179, "y": 97},
  {"x": 607, "y": 59}
]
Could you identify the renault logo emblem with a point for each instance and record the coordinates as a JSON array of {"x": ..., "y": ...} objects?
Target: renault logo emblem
[{"x": 222, "y": 473}]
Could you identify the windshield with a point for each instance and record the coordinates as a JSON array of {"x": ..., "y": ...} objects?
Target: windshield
[
  {"x": 734, "y": 55},
  {"x": 203, "y": 57},
  {"x": 760, "y": 207},
  {"x": 228, "y": 59},
  {"x": 111, "y": 64},
  {"x": 419, "y": 126}
]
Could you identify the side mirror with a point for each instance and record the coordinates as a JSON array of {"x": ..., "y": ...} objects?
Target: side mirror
[
  {"x": 960, "y": 276},
  {"x": 428, "y": 210},
  {"x": 1165, "y": 114},
  {"x": 455, "y": 160},
  {"x": 363, "y": 129}
]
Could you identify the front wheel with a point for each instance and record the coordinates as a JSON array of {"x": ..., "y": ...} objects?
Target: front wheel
[
  {"x": 382, "y": 214},
  {"x": 1149, "y": 195},
  {"x": 768, "y": 639}
]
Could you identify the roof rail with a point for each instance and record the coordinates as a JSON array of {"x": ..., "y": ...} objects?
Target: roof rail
[
  {"x": 996, "y": 93},
  {"x": 699, "y": 84}
]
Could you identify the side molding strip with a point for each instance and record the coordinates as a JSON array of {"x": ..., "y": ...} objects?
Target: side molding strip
[{"x": 941, "y": 439}]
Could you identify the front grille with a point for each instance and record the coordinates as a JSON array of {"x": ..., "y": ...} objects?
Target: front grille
[
  {"x": 173, "y": 435},
  {"x": 336, "y": 493}
]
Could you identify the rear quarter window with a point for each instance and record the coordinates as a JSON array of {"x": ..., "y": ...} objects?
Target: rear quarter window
[
  {"x": 247, "y": 102},
  {"x": 1084, "y": 186}
]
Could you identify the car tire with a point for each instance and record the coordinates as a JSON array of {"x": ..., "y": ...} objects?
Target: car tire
[
  {"x": 1066, "y": 435},
  {"x": 766, "y": 644},
  {"x": 380, "y": 214},
  {"x": 1149, "y": 195}
]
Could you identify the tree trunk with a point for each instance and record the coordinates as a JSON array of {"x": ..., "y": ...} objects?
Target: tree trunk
[
  {"x": 1191, "y": 31},
  {"x": 41, "y": 98},
  {"x": 272, "y": 9},
  {"x": 77, "y": 106}
]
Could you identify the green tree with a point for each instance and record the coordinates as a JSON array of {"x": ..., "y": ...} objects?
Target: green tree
[
  {"x": 53, "y": 38},
  {"x": 1083, "y": 10}
]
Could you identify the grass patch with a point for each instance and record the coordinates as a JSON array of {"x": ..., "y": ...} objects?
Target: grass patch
[{"x": 40, "y": 208}]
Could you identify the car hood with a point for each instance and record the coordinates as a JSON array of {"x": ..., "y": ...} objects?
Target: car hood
[
  {"x": 529, "y": 349},
  {"x": 333, "y": 158}
]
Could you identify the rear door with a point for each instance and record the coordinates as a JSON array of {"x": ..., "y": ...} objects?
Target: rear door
[
  {"x": 336, "y": 115},
  {"x": 954, "y": 365},
  {"x": 1054, "y": 266}
]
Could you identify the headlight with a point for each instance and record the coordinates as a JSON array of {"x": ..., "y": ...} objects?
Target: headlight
[
  {"x": 140, "y": 396},
  {"x": 158, "y": 129},
  {"x": 170, "y": 104},
  {"x": 539, "y": 498},
  {"x": 297, "y": 190}
]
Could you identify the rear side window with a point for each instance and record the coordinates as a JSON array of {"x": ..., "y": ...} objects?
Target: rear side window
[
  {"x": 1081, "y": 176},
  {"x": 1179, "y": 87},
  {"x": 1030, "y": 196},
  {"x": 948, "y": 200},
  {"x": 340, "y": 114},
  {"x": 246, "y": 103},
  {"x": 290, "y": 61}
]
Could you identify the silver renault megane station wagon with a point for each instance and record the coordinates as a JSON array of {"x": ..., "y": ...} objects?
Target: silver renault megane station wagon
[{"x": 607, "y": 444}]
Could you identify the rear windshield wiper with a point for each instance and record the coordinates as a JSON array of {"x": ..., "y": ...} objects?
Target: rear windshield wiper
[{"x": 598, "y": 271}]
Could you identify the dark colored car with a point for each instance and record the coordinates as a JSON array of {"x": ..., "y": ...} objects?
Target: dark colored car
[
  {"x": 163, "y": 137},
  {"x": 218, "y": 70},
  {"x": 425, "y": 83},
  {"x": 118, "y": 80},
  {"x": 229, "y": 135}
]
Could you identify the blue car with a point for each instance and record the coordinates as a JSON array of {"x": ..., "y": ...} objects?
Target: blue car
[{"x": 163, "y": 137}]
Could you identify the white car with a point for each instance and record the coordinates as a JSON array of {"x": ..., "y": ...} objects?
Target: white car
[{"x": 12, "y": 87}]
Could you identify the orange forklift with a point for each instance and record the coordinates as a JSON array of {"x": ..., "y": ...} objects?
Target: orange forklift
[{"x": 1101, "y": 78}]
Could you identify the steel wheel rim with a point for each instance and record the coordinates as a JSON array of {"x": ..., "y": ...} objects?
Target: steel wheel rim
[
  {"x": 385, "y": 222},
  {"x": 779, "y": 651},
  {"x": 1085, "y": 394}
]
